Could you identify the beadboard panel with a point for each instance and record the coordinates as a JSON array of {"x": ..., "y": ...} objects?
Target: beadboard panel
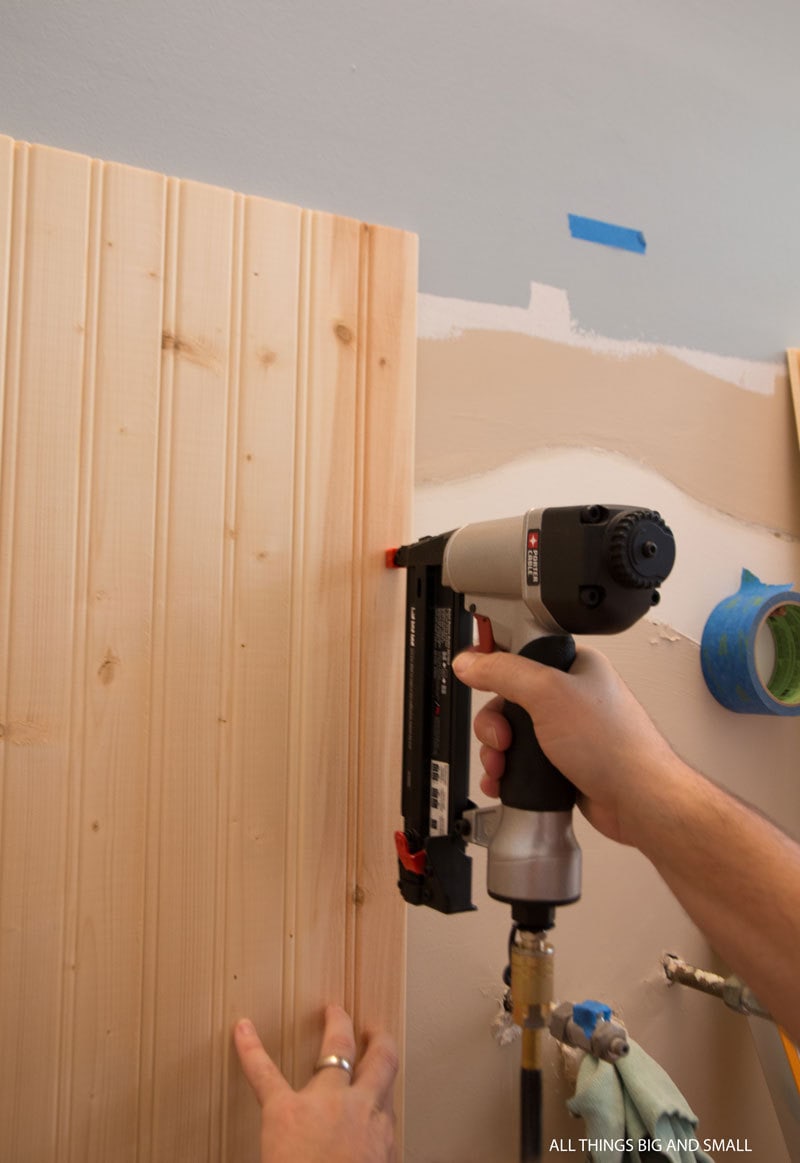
[{"x": 207, "y": 428}]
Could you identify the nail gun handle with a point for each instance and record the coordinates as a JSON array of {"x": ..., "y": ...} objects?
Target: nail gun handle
[{"x": 530, "y": 780}]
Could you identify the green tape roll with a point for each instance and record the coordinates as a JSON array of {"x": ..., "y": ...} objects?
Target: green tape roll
[{"x": 728, "y": 649}]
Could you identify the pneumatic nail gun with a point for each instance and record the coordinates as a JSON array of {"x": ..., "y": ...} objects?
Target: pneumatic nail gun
[
  {"x": 526, "y": 584},
  {"x": 529, "y": 583}
]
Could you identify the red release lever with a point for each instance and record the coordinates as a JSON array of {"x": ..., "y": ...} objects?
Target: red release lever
[
  {"x": 485, "y": 636},
  {"x": 411, "y": 861}
]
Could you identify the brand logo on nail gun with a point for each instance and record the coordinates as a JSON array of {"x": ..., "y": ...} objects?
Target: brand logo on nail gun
[{"x": 532, "y": 557}]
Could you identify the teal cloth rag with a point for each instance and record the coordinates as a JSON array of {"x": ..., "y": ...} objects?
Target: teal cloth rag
[{"x": 634, "y": 1112}]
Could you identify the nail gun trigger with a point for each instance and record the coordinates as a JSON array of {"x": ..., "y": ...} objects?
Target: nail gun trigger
[{"x": 486, "y": 643}]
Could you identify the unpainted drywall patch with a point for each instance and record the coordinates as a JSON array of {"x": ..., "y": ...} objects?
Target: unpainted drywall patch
[
  {"x": 712, "y": 548},
  {"x": 548, "y": 316},
  {"x": 487, "y": 398}
]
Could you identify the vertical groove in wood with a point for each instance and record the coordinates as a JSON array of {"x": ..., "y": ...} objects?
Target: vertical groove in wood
[
  {"x": 78, "y": 680},
  {"x": 231, "y": 532},
  {"x": 147, "y": 1080},
  {"x": 357, "y": 644},
  {"x": 295, "y": 669}
]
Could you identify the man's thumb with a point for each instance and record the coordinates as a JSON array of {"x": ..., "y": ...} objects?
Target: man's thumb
[{"x": 514, "y": 678}]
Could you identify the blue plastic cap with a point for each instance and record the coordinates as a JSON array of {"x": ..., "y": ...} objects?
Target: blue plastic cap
[{"x": 588, "y": 1013}]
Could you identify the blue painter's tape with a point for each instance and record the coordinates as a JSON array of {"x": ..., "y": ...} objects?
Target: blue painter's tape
[
  {"x": 727, "y": 650},
  {"x": 588, "y": 1013},
  {"x": 593, "y": 230}
]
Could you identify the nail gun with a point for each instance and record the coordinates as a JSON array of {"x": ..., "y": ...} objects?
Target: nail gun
[{"x": 529, "y": 583}]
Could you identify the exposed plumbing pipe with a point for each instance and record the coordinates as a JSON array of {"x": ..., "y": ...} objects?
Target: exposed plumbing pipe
[{"x": 736, "y": 995}]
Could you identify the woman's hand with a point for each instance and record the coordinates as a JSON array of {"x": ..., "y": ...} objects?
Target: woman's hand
[{"x": 332, "y": 1118}]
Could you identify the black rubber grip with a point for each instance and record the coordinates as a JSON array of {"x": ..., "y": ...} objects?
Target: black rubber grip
[{"x": 530, "y": 780}]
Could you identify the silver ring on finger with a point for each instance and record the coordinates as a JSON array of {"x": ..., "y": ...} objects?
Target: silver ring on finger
[{"x": 336, "y": 1061}]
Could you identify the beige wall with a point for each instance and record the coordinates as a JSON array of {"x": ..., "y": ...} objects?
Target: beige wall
[{"x": 508, "y": 420}]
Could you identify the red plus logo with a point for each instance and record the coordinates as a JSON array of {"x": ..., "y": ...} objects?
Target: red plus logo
[{"x": 533, "y": 539}]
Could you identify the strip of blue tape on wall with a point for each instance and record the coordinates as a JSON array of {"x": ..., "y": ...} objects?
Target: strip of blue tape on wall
[{"x": 607, "y": 234}]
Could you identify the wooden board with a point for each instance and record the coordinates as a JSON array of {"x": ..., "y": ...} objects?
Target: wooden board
[{"x": 207, "y": 418}]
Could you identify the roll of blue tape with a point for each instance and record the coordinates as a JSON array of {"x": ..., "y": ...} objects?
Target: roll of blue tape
[{"x": 728, "y": 649}]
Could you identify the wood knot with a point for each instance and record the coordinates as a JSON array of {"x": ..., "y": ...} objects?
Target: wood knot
[
  {"x": 196, "y": 351},
  {"x": 107, "y": 671},
  {"x": 343, "y": 333}
]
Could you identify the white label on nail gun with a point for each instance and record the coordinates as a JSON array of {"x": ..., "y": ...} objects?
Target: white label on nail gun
[{"x": 440, "y": 792}]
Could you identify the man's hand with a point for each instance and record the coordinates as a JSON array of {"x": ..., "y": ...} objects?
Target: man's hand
[
  {"x": 735, "y": 873},
  {"x": 587, "y": 722}
]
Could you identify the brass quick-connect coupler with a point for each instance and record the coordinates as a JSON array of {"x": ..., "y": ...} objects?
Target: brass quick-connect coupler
[
  {"x": 588, "y": 1025},
  {"x": 531, "y": 991}
]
